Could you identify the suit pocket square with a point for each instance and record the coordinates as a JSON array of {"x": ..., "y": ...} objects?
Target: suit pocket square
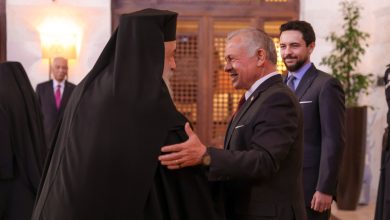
[
  {"x": 239, "y": 126},
  {"x": 305, "y": 102}
]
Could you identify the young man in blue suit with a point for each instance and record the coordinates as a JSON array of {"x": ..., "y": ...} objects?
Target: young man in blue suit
[
  {"x": 53, "y": 96},
  {"x": 321, "y": 97}
]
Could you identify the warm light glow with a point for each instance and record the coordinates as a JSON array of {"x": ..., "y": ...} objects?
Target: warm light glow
[
  {"x": 280, "y": 67},
  {"x": 59, "y": 37}
]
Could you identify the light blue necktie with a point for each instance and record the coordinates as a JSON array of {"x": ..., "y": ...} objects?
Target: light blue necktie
[{"x": 290, "y": 82}]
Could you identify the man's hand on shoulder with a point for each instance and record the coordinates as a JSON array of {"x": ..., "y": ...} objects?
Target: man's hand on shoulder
[{"x": 188, "y": 153}]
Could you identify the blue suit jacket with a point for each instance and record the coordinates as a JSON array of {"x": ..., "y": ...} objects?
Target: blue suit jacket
[{"x": 322, "y": 100}]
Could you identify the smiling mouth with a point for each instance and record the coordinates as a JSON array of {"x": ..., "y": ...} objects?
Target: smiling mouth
[
  {"x": 290, "y": 59},
  {"x": 233, "y": 76}
]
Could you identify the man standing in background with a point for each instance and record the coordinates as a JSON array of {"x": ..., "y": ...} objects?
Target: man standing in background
[
  {"x": 53, "y": 96},
  {"x": 322, "y": 99}
]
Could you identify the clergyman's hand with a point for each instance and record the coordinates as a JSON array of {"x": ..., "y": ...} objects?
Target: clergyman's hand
[
  {"x": 188, "y": 153},
  {"x": 321, "y": 201}
]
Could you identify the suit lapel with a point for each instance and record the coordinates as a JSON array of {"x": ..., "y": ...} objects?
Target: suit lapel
[
  {"x": 306, "y": 81},
  {"x": 51, "y": 97},
  {"x": 65, "y": 96},
  {"x": 255, "y": 95},
  {"x": 237, "y": 118}
]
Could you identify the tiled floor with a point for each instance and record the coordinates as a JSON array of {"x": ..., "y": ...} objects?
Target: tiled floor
[{"x": 363, "y": 212}]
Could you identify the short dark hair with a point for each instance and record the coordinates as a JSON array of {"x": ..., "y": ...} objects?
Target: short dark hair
[{"x": 302, "y": 26}]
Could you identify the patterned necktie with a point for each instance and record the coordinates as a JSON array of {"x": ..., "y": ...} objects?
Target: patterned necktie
[
  {"x": 58, "y": 96},
  {"x": 290, "y": 82},
  {"x": 240, "y": 103}
]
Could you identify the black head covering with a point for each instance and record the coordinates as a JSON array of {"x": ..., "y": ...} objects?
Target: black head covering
[
  {"x": 386, "y": 79},
  {"x": 22, "y": 147},
  {"x": 116, "y": 121}
]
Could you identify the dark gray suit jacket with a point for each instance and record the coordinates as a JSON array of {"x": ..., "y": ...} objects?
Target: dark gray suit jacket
[
  {"x": 261, "y": 165},
  {"x": 51, "y": 115},
  {"x": 322, "y": 100}
]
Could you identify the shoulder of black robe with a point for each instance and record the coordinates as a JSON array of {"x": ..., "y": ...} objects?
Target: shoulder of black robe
[
  {"x": 19, "y": 106},
  {"x": 117, "y": 119},
  {"x": 22, "y": 146},
  {"x": 184, "y": 193}
]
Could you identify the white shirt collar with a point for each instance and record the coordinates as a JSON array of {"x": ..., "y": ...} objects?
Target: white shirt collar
[
  {"x": 258, "y": 83},
  {"x": 55, "y": 83}
]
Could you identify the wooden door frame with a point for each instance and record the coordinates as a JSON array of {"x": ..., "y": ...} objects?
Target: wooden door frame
[{"x": 212, "y": 8}]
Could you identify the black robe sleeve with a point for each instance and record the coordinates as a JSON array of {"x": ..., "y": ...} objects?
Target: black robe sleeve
[{"x": 184, "y": 193}]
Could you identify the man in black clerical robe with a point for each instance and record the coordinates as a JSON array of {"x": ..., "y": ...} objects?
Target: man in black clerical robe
[
  {"x": 382, "y": 210},
  {"x": 104, "y": 164},
  {"x": 22, "y": 143}
]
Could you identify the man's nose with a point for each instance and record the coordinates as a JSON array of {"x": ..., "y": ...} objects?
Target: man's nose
[
  {"x": 227, "y": 67},
  {"x": 287, "y": 50}
]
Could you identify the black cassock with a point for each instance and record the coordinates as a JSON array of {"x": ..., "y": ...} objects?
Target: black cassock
[
  {"x": 382, "y": 211},
  {"x": 104, "y": 163},
  {"x": 22, "y": 146}
]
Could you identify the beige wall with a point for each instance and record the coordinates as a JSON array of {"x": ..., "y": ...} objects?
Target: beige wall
[{"x": 23, "y": 40}]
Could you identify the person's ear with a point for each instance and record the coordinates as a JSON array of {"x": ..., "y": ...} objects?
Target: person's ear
[
  {"x": 311, "y": 47},
  {"x": 261, "y": 57}
]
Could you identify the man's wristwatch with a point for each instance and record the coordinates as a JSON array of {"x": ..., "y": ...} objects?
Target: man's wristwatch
[{"x": 206, "y": 159}]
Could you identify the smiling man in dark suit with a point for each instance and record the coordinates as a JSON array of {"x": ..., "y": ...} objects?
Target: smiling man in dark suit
[
  {"x": 322, "y": 100},
  {"x": 53, "y": 96},
  {"x": 261, "y": 164}
]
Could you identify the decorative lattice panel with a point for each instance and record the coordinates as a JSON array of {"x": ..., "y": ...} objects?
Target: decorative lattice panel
[
  {"x": 281, "y": 68},
  {"x": 184, "y": 81},
  {"x": 272, "y": 28}
]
